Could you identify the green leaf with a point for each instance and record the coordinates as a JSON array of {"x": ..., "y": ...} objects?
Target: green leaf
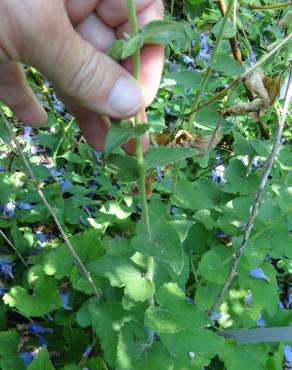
[
  {"x": 215, "y": 264},
  {"x": 162, "y": 32},
  {"x": 59, "y": 262},
  {"x": 9, "y": 341},
  {"x": 9, "y": 186},
  {"x": 41, "y": 361},
  {"x": 228, "y": 65},
  {"x": 229, "y": 30},
  {"x": 164, "y": 245},
  {"x": 131, "y": 343},
  {"x": 263, "y": 293},
  {"x": 158, "y": 157},
  {"x": 203, "y": 344},
  {"x": 120, "y": 132},
  {"x": 123, "y": 167},
  {"x": 188, "y": 197},
  {"x": 108, "y": 320},
  {"x": 44, "y": 299},
  {"x": 188, "y": 79},
  {"x": 155, "y": 357},
  {"x": 123, "y": 272},
  {"x": 174, "y": 312},
  {"x": 244, "y": 356}
]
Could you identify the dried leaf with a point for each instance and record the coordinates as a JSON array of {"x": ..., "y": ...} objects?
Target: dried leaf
[
  {"x": 273, "y": 87},
  {"x": 241, "y": 109},
  {"x": 150, "y": 179},
  {"x": 160, "y": 139},
  {"x": 204, "y": 143},
  {"x": 257, "y": 86}
]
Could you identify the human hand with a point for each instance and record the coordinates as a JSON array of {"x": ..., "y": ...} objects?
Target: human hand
[{"x": 66, "y": 41}]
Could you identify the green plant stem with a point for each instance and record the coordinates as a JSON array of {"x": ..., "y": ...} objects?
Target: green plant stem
[
  {"x": 139, "y": 152},
  {"x": 200, "y": 93},
  {"x": 171, "y": 8}
]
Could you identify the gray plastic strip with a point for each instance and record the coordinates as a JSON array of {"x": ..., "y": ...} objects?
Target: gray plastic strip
[{"x": 263, "y": 335}]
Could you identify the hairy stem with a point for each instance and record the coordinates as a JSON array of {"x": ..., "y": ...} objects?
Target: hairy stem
[
  {"x": 37, "y": 185},
  {"x": 13, "y": 247},
  {"x": 258, "y": 198},
  {"x": 139, "y": 152}
]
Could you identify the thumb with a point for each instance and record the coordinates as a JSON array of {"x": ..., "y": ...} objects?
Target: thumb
[{"x": 90, "y": 77}]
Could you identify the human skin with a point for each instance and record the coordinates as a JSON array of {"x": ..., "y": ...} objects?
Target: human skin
[{"x": 67, "y": 42}]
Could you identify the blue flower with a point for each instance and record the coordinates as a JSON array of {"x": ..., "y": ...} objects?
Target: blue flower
[
  {"x": 65, "y": 185},
  {"x": 26, "y": 357},
  {"x": 38, "y": 329},
  {"x": 58, "y": 108},
  {"x": 215, "y": 316},
  {"x": 173, "y": 211},
  {"x": 65, "y": 297},
  {"x": 258, "y": 273},
  {"x": 218, "y": 174},
  {"x": 288, "y": 354},
  {"x": 6, "y": 268},
  {"x": 281, "y": 305},
  {"x": 83, "y": 222},
  {"x": 173, "y": 67},
  {"x": 248, "y": 299},
  {"x": 9, "y": 209},
  {"x": 2, "y": 292},
  {"x": 260, "y": 321},
  {"x": 87, "y": 351},
  {"x": 188, "y": 60},
  {"x": 41, "y": 237},
  {"x": 24, "y": 206},
  {"x": 2, "y": 168}
]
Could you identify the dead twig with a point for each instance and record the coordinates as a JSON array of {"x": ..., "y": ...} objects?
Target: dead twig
[
  {"x": 258, "y": 198},
  {"x": 275, "y": 6},
  {"x": 4, "y": 236},
  {"x": 86, "y": 273}
]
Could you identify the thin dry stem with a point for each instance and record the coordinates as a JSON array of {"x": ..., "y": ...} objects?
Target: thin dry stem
[
  {"x": 258, "y": 198},
  {"x": 4, "y": 236},
  {"x": 50, "y": 209}
]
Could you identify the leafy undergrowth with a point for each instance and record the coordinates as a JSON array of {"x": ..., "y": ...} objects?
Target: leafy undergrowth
[{"x": 50, "y": 317}]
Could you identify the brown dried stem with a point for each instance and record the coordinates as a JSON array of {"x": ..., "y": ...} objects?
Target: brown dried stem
[
  {"x": 256, "y": 205},
  {"x": 275, "y": 6},
  {"x": 34, "y": 180}
]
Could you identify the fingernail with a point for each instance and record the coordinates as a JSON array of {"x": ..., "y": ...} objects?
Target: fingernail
[{"x": 126, "y": 97}]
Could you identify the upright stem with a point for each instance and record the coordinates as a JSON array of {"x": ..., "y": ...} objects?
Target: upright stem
[
  {"x": 200, "y": 92},
  {"x": 139, "y": 152},
  {"x": 171, "y": 8}
]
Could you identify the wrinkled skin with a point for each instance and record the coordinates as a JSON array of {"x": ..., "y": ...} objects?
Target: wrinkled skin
[{"x": 67, "y": 41}]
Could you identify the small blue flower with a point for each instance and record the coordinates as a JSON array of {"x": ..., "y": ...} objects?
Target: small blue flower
[
  {"x": 167, "y": 110},
  {"x": 288, "y": 353},
  {"x": 173, "y": 211},
  {"x": 83, "y": 222},
  {"x": 6, "y": 268},
  {"x": 281, "y": 305},
  {"x": 65, "y": 185},
  {"x": 188, "y": 60},
  {"x": 190, "y": 300},
  {"x": 218, "y": 174},
  {"x": 58, "y": 108},
  {"x": 2, "y": 168},
  {"x": 42, "y": 341},
  {"x": 173, "y": 67},
  {"x": 26, "y": 357},
  {"x": 65, "y": 297},
  {"x": 260, "y": 321},
  {"x": 248, "y": 299},
  {"x": 24, "y": 206},
  {"x": 38, "y": 329},
  {"x": 87, "y": 351},
  {"x": 41, "y": 237},
  {"x": 9, "y": 209},
  {"x": 2, "y": 292},
  {"x": 56, "y": 173},
  {"x": 258, "y": 273},
  {"x": 215, "y": 316}
]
